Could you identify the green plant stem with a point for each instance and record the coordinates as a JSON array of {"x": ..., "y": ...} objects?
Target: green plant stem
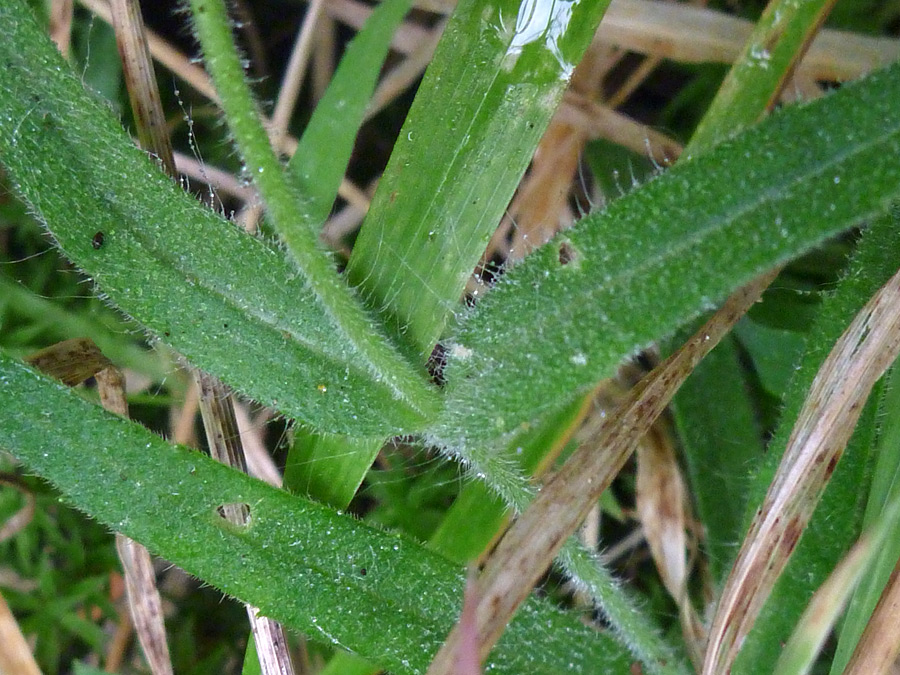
[
  {"x": 223, "y": 62},
  {"x": 759, "y": 74}
]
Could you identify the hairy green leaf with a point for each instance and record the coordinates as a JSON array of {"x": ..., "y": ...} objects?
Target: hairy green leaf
[
  {"x": 657, "y": 257},
  {"x": 314, "y": 570},
  {"x": 230, "y": 303}
]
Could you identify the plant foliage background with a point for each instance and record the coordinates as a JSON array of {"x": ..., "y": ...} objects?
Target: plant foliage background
[{"x": 404, "y": 410}]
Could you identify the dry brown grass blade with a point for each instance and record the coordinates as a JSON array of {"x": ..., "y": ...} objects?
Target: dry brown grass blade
[
  {"x": 661, "y": 504},
  {"x": 408, "y": 37},
  {"x": 530, "y": 545},
  {"x": 224, "y": 440},
  {"x": 15, "y": 654},
  {"x": 165, "y": 53},
  {"x": 601, "y": 121},
  {"x": 144, "y": 603},
  {"x": 879, "y": 644},
  {"x": 467, "y": 656},
  {"x": 683, "y": 32},
  {"x": 295, "y": 72},
  {"x": 60, "y": 28},
  {"x": 324, "y": 52},
  {"x": 868, "y": 346},
  {"x": 687, "y": 33},
  {"x": 140, "y": 80},
  {"x": 222, "y": 181},
  {"x": 259, "y": 462},
  {"x": 72, "y": 361}
]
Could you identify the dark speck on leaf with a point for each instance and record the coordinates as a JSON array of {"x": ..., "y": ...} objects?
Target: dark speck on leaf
[{"x": 97, "y": 241}]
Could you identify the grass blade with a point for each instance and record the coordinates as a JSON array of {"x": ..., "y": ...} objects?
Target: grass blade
[
  {"x": 883, "y": 490},
  {"x": 321, "y": 158},
  {"x": 466, "y": 143},
  {"x": 830, "y": 412},
  {"x": 801, "y": 650},
  {"x": 327, "y": 467},
  {"x": 878, "y": 647},
  {"x": 721, "y": 437},
  {"x": 754, "y": 83},
  {"x": 838, "y": 517}
]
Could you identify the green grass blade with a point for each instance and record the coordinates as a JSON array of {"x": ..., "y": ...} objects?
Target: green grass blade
[
  {"x": 231, "y": 304},
  {"x": 321, "y": 158},
  {"x": 354, "y": 327},
  {"x": 722, "y": 443},
  {"x": 497, "y": 76},
  {"x": 329, "y": 467},
  {"x": 806, "y": 642},
  {"x": 326, "y": 574},
  {"x": 757, "y": 77},
  {"x": 659, "y": 256},
  {"x": 884, "y": 489},
  {"x": 837, "y": 519}
]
